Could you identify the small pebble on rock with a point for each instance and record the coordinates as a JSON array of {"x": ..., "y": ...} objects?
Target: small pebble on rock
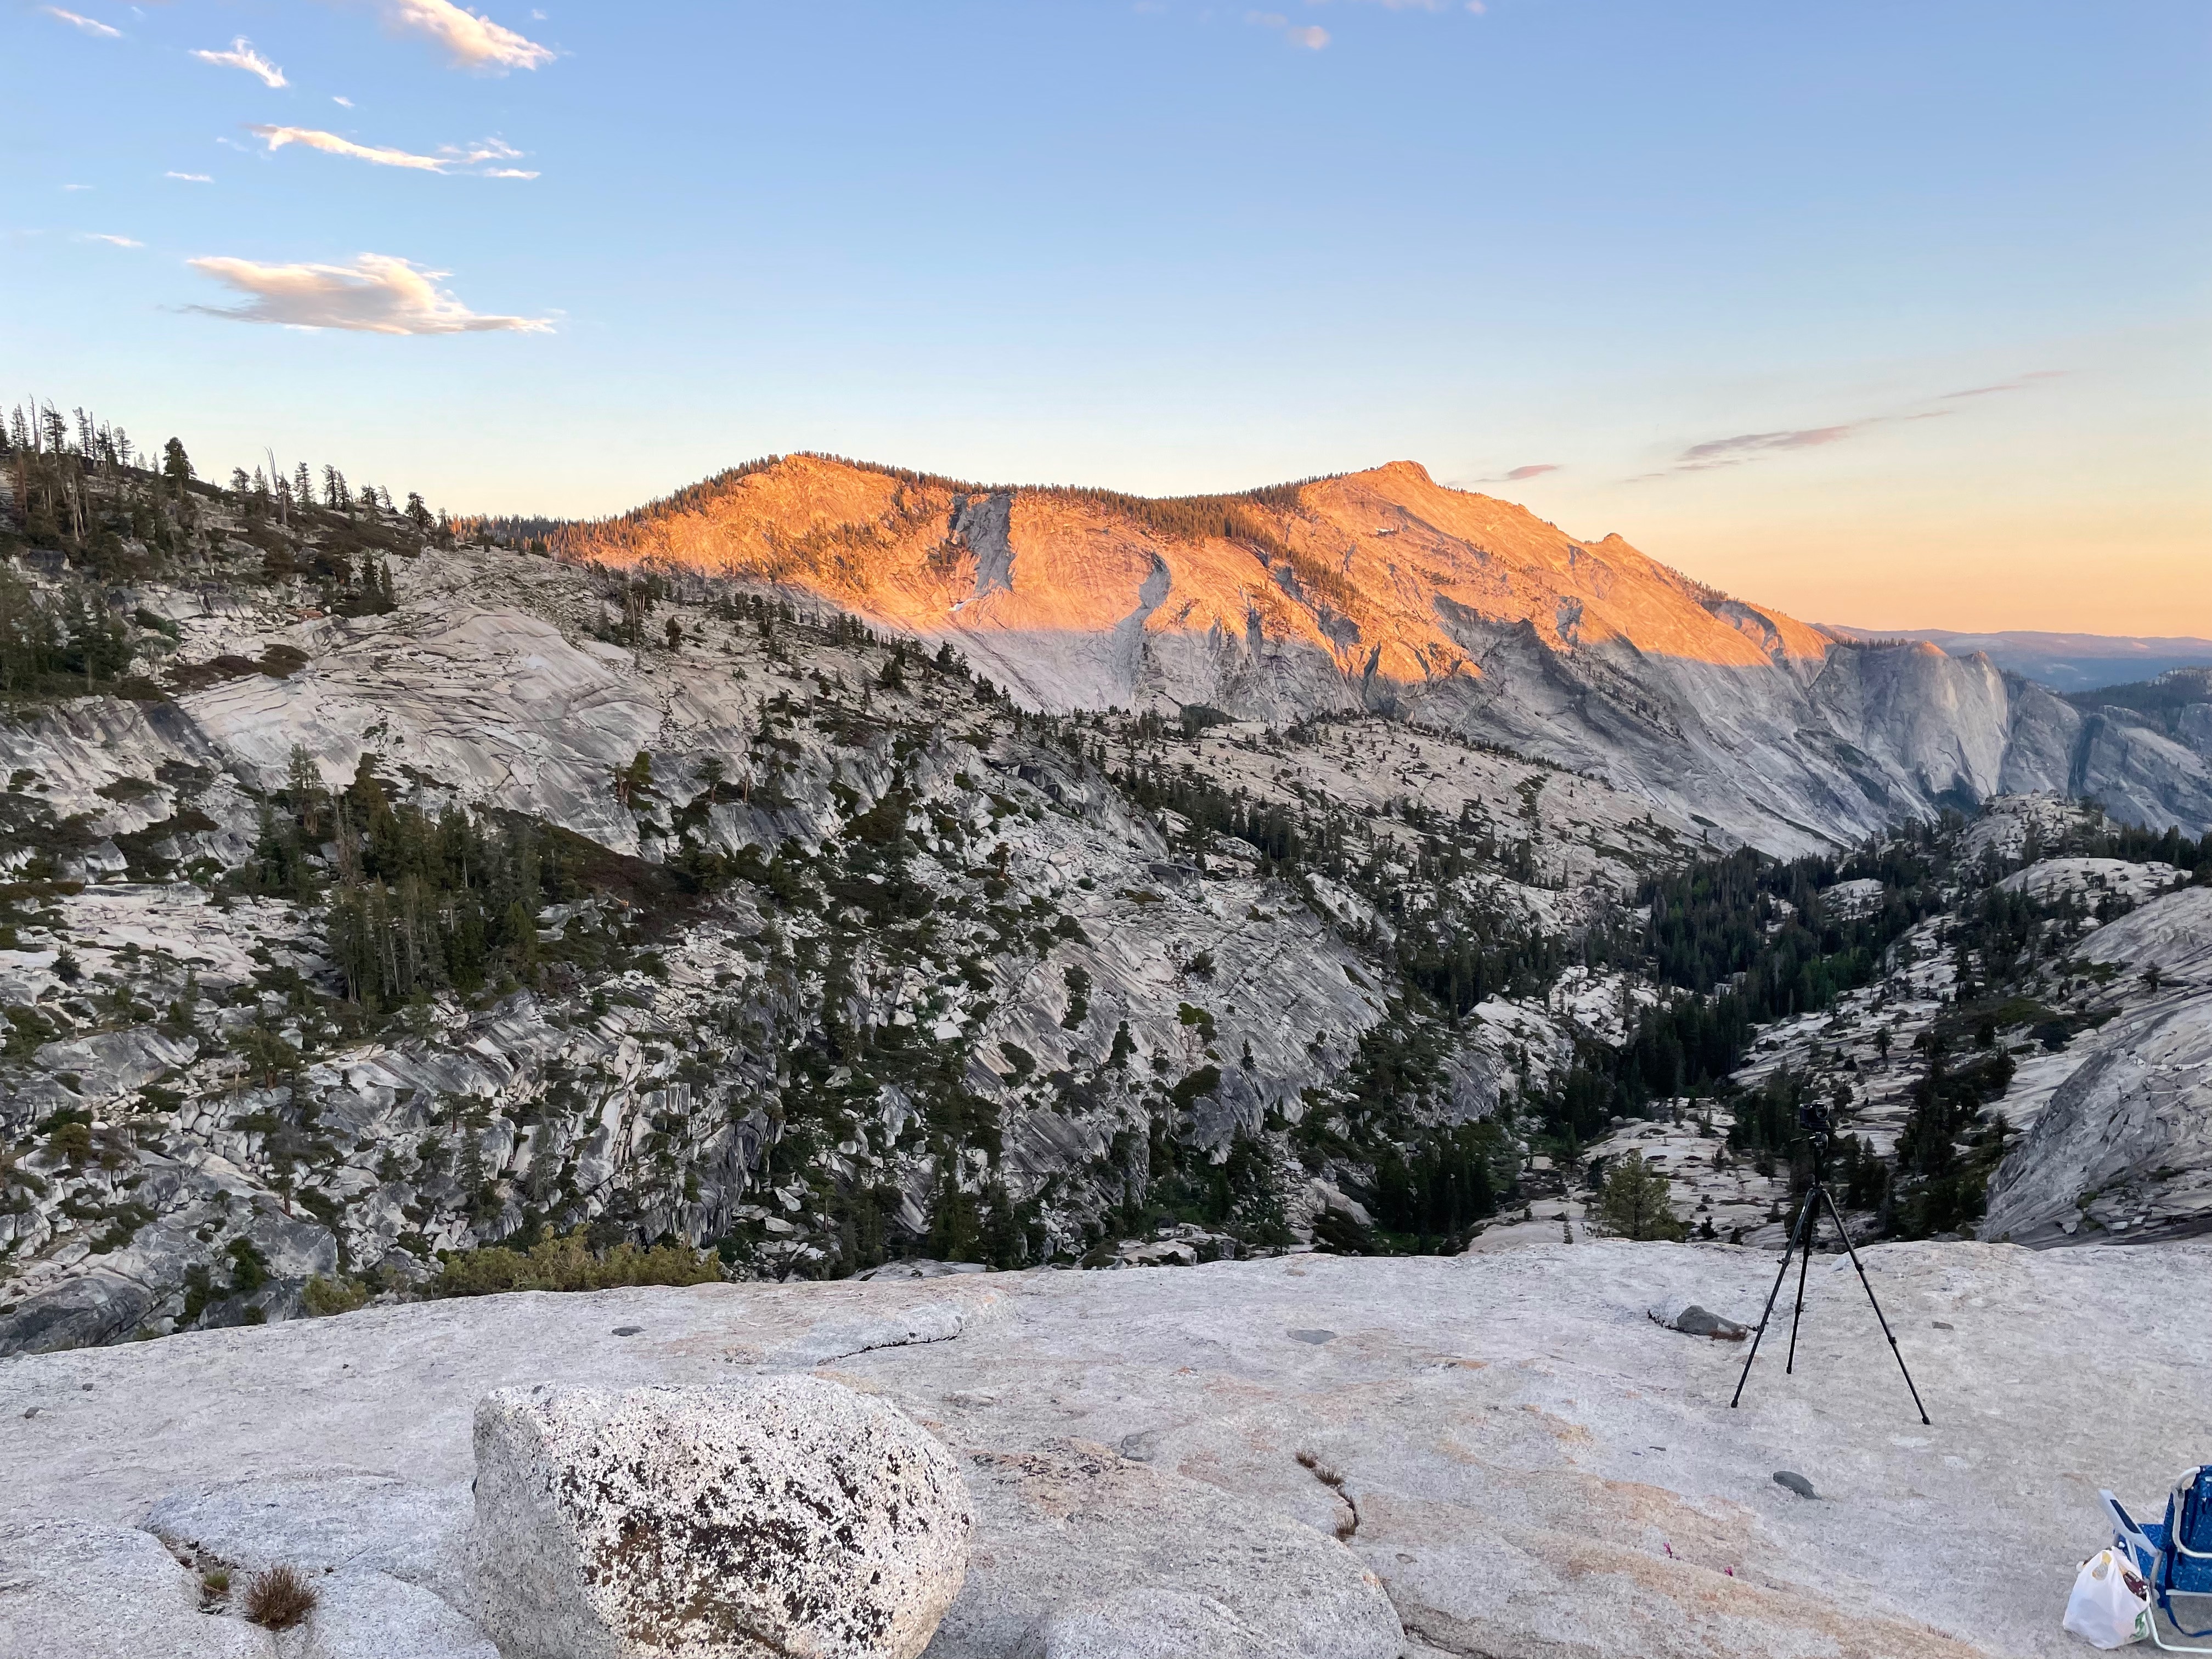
[
  {"x": 1315, "y": 1337},
  {"x": 628, "y": 1330},
  {"x": 1796, "y": 1483}
]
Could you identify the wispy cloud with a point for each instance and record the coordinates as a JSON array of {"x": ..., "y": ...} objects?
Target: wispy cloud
[
  {"x": 1536, "y": 471},
  {"x": 450, "y": 158},
  {"x": 472, "y": 40},
  {"x": 76, "y": 187},
  {"x": 89, "y": 25},
  {"x": 242, "y": 56},
  {"x": 330, "y": 144},
  {"x": 112, "y": 241},
  {"x": 1474, "y": 6},
  {"x": 1312, "y": 37},
  {"x": 1753, "y": 445},
  {"x": 1746, "y": 447},
  {"x": 343, "y": 103},
  {"x": 377, "y": 293},
  {"x": 2020, "y": 383},
  {"x": 192, "y": 177}
]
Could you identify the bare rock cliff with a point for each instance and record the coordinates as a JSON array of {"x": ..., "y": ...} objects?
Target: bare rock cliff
[{"x": 1386, "y": 590}]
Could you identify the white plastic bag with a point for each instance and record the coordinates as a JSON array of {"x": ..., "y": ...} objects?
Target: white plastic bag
[{"x": 2110, "y": 1604}]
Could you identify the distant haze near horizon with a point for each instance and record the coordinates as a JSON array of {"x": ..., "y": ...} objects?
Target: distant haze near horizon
[
  {"x": 2065, "y": 662},
  {"x": 1885, "y": 313}
]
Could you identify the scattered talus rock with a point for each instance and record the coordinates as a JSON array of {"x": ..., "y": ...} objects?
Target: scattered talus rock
[{"x": 790, "y": 1518}]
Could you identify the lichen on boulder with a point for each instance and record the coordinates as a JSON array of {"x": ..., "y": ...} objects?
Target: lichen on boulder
[{"x": 794, "y": 1516}]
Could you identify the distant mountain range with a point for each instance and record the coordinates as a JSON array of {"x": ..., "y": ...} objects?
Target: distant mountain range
[
  {"x": 1385, "y": 592},
  {"x": 2065, "y": 662}
]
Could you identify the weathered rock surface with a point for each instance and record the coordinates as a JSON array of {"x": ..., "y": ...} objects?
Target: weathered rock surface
[
  {"x": 1536, "y": 1469},
  {"x": 1150, "y": 1624},
  {"x": 341, "y": 1523},
  {"x": 1066, "y": 1516},
  {"x": 83, "y": 1589},
  {"x": 2124, "y": 1147},
  {"x": 792, "y": 1516},
  {"x": 369, "y": 1615}
]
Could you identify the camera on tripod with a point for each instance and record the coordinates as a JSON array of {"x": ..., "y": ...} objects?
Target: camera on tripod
[{"x": 1817, "y": 1124}]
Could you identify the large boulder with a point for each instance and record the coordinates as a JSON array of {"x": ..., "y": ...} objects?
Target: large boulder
[{"x": 792, "y": 1518}]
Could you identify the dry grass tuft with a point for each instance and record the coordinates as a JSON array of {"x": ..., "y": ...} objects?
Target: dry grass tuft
[
  {"x": 1330, "y": 1477},
  {"x": 1322, "y": 1471},
  {"x": 278, "y": 1599}
]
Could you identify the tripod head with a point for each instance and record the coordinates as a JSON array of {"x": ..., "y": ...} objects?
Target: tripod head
[{"x": 1818, "y": 1126}]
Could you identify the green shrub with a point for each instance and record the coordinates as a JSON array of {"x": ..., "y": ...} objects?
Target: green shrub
[
  {"x": 568, "y": 1263},
  {"x": 325, "y": 1297}
]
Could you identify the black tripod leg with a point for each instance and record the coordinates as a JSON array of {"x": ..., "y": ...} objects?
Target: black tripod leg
[
  {"x": 1878, "y": 1312},
  {"x": 1804, "y": 1260},
  {"x": 1781, "y": 1274}
]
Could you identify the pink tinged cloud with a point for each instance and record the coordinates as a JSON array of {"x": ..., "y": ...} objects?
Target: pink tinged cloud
[
  {"x": 330, "y": 144},
  {"x": 1536, "y": 471},
  {"x": 1756, "y": 445},
  {"x": 448, "y": 158},
  {"x": 89, "y": 25},
  {"x": 242, "y": 56},
  {"x": 471, "y": 39},
  {"x": 377, "y": 293},
  {"x": 1311, "y": 38},
  {"x": 1750, "y": 445}
]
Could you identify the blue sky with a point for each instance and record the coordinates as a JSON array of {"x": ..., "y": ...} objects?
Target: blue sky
[{"x": 1723, "y": 270}]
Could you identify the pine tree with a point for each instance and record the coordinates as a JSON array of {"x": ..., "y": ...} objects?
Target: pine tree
[
  {"x": 1634, "y": 1202},
  {"x": 176, "y": 467}
]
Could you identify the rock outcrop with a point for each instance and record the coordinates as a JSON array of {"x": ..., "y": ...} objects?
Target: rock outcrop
[
  {"x": 2124, "y": 1147},
  {"x": 792, "y": 1516},
  {"x": 1384, "y": 590},
  {"x": 1528, "y": 1466},
  {"x": 82, "y": 1590}
]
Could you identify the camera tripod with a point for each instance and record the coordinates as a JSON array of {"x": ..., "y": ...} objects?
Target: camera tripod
[{"x": 1802, "y": 1237}]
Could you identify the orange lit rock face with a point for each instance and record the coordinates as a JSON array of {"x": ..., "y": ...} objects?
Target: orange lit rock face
[
  {"x": 1383, "y": 592},
  {"x": 1382, "y": 571}
]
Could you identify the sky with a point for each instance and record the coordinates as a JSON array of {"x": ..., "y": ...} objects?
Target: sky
[{"x": 1893, "y": 314}]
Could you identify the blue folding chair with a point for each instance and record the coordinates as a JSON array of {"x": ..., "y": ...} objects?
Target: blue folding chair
[{"x": 2174, "y": 1557}]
